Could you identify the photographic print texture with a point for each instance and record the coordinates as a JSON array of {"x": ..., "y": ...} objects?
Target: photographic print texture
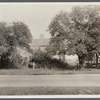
[{"x": 49, "y": 49}]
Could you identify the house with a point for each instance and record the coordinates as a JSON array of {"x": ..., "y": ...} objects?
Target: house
[{"x": 40, "y": 44}]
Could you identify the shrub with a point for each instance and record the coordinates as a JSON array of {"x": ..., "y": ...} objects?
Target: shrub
[
  {"x": 42, "y": 59},
  {"x": 17, "y": 61},
  {"x": 56, "y": 63},
  {"x": 8, "y": 61}
]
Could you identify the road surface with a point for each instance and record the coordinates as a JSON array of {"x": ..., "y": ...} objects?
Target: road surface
[{"x": 50, "y": 80}]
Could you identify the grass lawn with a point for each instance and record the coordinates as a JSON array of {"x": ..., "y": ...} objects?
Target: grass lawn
[
  {"x": 50, "y": 91},
  {"x": 28, "y": 71}
]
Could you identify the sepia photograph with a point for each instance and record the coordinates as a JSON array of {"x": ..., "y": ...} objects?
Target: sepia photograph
[{"x": 49, "y": 49}]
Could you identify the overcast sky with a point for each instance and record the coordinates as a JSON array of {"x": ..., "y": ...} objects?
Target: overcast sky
[{"x": 36, "y": 15}]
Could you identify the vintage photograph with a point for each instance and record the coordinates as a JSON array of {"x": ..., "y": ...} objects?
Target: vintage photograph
[{"x": 49, "y": 49}]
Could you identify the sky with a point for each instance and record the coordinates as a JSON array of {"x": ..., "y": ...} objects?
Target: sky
[{"x": 35, "y": 15}]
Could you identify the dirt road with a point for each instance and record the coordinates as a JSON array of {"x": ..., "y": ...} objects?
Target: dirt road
[{"x": 50, "y": 80}]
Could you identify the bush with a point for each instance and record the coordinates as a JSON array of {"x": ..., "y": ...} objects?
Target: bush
[
  {"x": 43, "y": 60},
  {"x": 8, "y": 61},
  {"x": 56, "y": 63},
  {"x": 40, "y": 58},
  {"x": 17, "y": 61}
]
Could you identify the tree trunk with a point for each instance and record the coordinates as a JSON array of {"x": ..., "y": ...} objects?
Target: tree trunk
[
  {"x": 97, "y": 60},
  {"x": 33, "y": 66},
  {"x": 81, "y": 62}
]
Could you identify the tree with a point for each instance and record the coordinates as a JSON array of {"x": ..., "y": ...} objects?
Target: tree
[
  {"x": 79, "y": 30},
  {"x": 13, "y": 35},
  {"x": 58, "y": 30},
  {"x": 22, "y": 34},
  {"x": 86, "y": 24}
]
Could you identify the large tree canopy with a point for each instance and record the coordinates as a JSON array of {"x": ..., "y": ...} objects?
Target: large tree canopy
[
  {"x": 13, "y": 35},
  {"x": 22, "y": 33},
  {"x": 78, "y": 30}
]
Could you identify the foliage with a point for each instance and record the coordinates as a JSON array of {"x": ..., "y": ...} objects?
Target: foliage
[
  {"x": 22, "y": 35},
  {"x": 8, "y": 61},
  {"x": 58, "y": 33},
  {"x": 78, "y": 30},
  {"x": 56, "y": 63},
  {"x": 43, "y": 60},
  {"x": 13, "y": 35}
]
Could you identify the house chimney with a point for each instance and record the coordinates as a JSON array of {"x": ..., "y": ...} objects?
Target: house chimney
[{"x": 41, "y": 36}]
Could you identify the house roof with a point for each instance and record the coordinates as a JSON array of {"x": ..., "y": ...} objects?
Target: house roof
[{"x": 40, "y": 42}]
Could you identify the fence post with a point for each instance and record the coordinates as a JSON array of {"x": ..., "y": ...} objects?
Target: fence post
[{"x": 33, "y": 65}]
